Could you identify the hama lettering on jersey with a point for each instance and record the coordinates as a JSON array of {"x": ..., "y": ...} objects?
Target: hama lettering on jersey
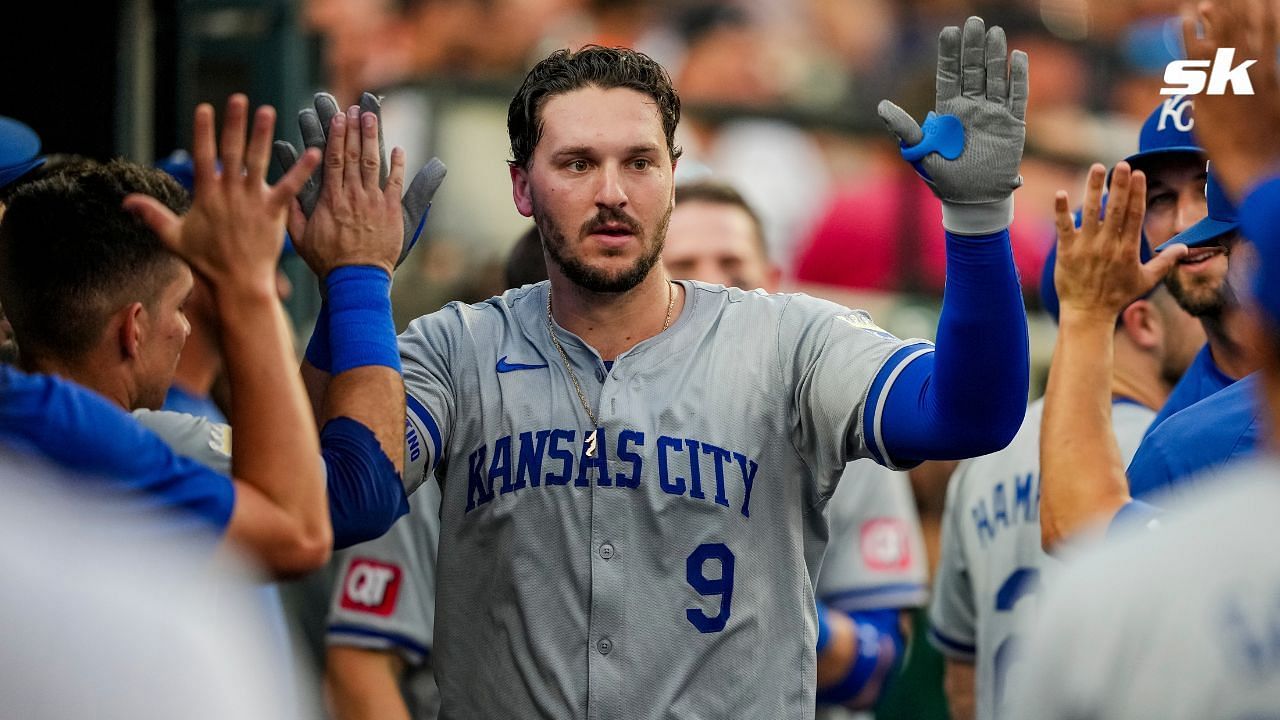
[
  {"x": 1176, "y": 624},
  {"x": 671, "y": 570},
  {"x": 992, "y": 567}
]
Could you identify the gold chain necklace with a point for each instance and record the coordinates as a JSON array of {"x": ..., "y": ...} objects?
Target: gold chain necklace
[{"x": 582, "y": 398}]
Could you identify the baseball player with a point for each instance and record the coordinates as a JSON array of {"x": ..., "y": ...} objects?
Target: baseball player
[
  {"x": 875, "y": 566},
  {"x": 378, "y": 661},
  {"x": 1176, "y": 200},
  {"x": 633, "y": 470},
  {"x": 123, "y": 343},
  {"x": 1193, "y": 443},
  {"x": 1195, "y": 602},
  {"x": 992, "y": 563}
]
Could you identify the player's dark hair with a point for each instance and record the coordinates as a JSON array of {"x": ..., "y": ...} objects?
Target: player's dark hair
[
  {"x": 717, "y": 192},
  {"x": 70, "y": 255},
  {"x": 593, "y": 66}
]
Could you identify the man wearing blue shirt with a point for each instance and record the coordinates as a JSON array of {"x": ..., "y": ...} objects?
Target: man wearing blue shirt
[{"x": 96, "y": 296}]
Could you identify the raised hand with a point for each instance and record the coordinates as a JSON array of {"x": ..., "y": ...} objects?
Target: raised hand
[
  {"x": 356, "y": 221},
  {"x": 315, "y": 124},
  {"x": 969, "y": 149},
  {"x": 1099, "y": 270},
  {"x": 1240, "y": 132},
  {"x": 234, "y": 231}
]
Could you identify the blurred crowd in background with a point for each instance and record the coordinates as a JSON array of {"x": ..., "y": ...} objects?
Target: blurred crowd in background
[{"x": 779, "y": 100}]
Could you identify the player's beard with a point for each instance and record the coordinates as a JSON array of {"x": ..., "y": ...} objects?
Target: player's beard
[
  {"x": 595, "y": 279},
  {"x": 1201, "y": 300}
]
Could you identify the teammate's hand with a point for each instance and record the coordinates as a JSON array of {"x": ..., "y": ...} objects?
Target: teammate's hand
[
  {"x": 1240, "y": 132},
  {"x": 234, "y": 231},
  {"x": 970, "y": 148},
  {"x": 356, "y": 220},
  {"x": 314, "y": 125},
  {"x": 1099, "y": 270}
]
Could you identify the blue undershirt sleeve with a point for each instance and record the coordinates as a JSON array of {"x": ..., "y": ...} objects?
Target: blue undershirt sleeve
[
  {"x": 365, "y": 493},
  {"x": 968, "y": 397}
]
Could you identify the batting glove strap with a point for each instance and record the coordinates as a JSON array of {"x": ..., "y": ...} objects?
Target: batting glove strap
[{"x": 977, "y": 218}]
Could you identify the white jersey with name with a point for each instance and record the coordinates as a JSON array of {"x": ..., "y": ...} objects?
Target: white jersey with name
[
  {"x": 1179, "y": 623},
  {"x": 667, "y": 573},
  {"x": 385, "y": 598},
  {"x": 992, "y": 565}
]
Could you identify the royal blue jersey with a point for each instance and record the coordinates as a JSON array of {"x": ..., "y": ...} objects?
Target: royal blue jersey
[
  {"x": 101, "y": 444},
  {"x": 1202, "y": 379},
  {"x": 1196, "y": 441}
]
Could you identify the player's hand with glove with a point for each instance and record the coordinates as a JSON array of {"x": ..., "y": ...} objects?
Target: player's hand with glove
[
  {"x": 316, "y": 126},
  {"x": 970, "y": 147},
  {"x": 357, "y": 218}
]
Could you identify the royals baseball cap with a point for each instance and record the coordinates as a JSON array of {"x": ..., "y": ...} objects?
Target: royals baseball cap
[
  {"x": 19, "y": 150},
  {"x": 1221, "y": 220},
  {"x": 1166, "y": 132},
  {"x": 1048, "y": 292}
]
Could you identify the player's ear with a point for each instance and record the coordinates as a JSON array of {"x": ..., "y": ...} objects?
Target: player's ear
[
  {"x": 520, "y": 191},
  {"x": 1141, "y": 324},
  {"x": 130, "y": 326}
]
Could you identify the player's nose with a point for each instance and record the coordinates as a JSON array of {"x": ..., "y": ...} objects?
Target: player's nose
[
  {"x": 610, "y": 191},
  {"x": 1192, "y": 208}
]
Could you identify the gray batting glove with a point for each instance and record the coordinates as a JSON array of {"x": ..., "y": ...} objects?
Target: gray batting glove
[
  {"x": 314, "y": 124},
  {"x": 969, "y": 150}
]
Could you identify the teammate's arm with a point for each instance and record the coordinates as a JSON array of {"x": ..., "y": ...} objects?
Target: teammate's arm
[
  {"x": 968, "y": 397},
  {"x": 1098, "y": 272},
  {"x": 352, "y": 241},
  {"x": 958, "y": 682},
  {"x": 364, "y": 684},
  {"x": 857, "y": 654}
]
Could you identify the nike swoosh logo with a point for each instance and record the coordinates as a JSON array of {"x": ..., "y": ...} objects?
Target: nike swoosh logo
[{"x": 506, "y": 367}]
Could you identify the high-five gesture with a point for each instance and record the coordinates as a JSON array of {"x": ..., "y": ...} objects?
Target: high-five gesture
[
  {"x": 235, "y": 229},
  {"x": 316, "y": 125},
  {"x": 969, "y": 149},
  {"x": 1240, "y": 132},
  {"x": 356, "y": 220},
  {"x": 1099, "y": 269}
]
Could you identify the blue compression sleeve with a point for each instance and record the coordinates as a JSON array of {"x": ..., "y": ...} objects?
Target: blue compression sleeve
[
  {"x": 318, "y": 352},
  {"x": 365, "y": 493},
  {"x": 880, "y": 644},
  {"x": 968, "y": 397},
  {"x": 361, "y": 330}
]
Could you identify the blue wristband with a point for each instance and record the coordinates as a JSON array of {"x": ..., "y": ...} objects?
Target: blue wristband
[
  {"x": 318, "y": 353},
  {"x": 824, "y": 630},
  {"x": 361, "y": 330}
]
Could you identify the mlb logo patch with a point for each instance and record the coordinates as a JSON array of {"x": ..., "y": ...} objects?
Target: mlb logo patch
[
  {"x": 371, "y": 587},
  {"x": 885, "y": 544}
]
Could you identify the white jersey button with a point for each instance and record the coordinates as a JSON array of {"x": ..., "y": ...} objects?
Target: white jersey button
[
  {"x": 605, "y": 646},
  {"x": 606, "y": 551}
]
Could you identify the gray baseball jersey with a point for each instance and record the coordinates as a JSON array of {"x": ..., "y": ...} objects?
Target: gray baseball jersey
[
  {"x": 992, "y": 563},
  {"x": 385, "y": 598},
  {"x": 668, "y": 575},
  {"x": 206, "y": 442},
  {"x": 876, "y": 557},
  {"x": 1175, "y": 624}
]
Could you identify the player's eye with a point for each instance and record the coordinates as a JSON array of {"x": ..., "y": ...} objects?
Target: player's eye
[
  {"x": 1159, "y": 200},
  {"x": 641, "y": 164},
  {"x": 578, "y": 165}
]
